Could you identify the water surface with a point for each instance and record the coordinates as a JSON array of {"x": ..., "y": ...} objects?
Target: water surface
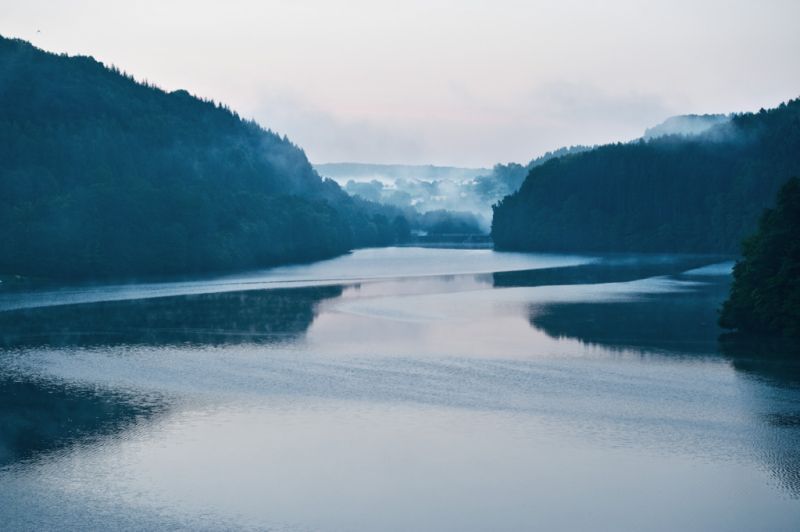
[{"x": 398, "y": 389}]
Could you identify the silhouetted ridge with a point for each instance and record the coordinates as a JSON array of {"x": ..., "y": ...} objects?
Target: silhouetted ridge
[
  {"x": 676, "y": 193},
  {"x": 102, "y": 176}
]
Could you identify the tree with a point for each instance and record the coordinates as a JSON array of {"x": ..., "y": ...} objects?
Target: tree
[
  {"x": 765, "y": 295},
  {"x": 102, "y": 176},
  {"x": 698, "y": 194},
  {"x": 402, "y": 229}
]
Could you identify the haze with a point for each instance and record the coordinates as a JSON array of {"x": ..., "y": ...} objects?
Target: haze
[{"x": 444, "y": 82}]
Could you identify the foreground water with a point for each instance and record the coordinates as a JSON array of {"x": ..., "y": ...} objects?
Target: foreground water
[{"x": 398, "y": 389}]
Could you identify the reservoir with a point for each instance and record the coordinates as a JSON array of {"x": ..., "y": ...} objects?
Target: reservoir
[{"x": 399, "y": 389}]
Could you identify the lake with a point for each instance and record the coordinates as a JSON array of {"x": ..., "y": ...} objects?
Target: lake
[{"x": 398, "y": 389}]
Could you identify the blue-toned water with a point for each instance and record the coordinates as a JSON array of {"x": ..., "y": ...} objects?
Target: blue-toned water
[{"x": 398, "y": 389}]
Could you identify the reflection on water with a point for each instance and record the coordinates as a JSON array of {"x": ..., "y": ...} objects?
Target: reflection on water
[
  {"x": 608, "y": 269},
  {"x": 417, "y": 400},
  {"x": 37, "y": 417},
  {"x": 684, "y": 321},
  {"x": 775, "y": 360},
  {"x": 227, "y": 317}
]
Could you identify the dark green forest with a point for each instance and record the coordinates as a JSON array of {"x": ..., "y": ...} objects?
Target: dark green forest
[
  {"x": 103, "y": 176},
  {"x": 674, "y": 193},
  {"x": 765, "y": 295},
  {"x": 506, "y": 179}
]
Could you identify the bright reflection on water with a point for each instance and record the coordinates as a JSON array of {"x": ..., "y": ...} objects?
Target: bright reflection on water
[{"x": 399, "y": 389}]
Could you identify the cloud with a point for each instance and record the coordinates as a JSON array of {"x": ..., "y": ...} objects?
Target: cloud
[
  {"x": 581, "y": 102},
  {"x": 329, "y": 138},
  {"x": 474, "y": 131}
]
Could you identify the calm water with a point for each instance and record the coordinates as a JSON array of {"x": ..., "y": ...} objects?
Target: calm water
[{"x": 398, "y": 389}]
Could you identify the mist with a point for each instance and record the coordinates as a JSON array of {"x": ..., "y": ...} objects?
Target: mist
[
  {"x": 474, "y": 191},
  {"x": 685, "y": 125},
  {"x": 425, "y": 195},
  {"x": 468, "y": 192}
]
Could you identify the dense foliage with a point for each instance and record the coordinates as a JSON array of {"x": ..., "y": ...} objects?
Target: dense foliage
[
  {"x": 104, "y": 176},
  {"x": 416, "y": 201},
  {"x": 466, "y": 194},
  {"x": 506, "y": 179},
  {"x": 700, "y": 193},
  {"x": 765, "y": 295},
  {"x": 442, "y": 222}
]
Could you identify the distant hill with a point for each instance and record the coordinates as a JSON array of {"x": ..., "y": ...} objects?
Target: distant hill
[
  {"x": 687, "y": 125},
  {"x": 465, "y": 192},
  {"x": 343, "y": 172},
  {"x": 673, "y": 193},
  {"x": 425, "y": 194},
  {"x": 505, "y": 179},
  {"x": 102, "y": 176}
]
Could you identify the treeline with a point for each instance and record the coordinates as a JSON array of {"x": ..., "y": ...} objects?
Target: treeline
[
  {"x": 413, "y": 199},
  {"x": 506, "y": 179},
  {"x": 425, "y": 203},
  {"x": 103, "y": 176},
  {"x": 765, "y": 295},
  {"x": 674, "y": 193}
]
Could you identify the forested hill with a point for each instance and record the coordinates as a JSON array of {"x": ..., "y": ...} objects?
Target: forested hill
[
  {"x": 701, "y": 193},
  {"x": 765, "y": 295},
  {"x": 103, "y": 176}
]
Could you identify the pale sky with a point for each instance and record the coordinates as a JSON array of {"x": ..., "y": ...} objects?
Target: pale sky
[{"x": 466, "y": 83}]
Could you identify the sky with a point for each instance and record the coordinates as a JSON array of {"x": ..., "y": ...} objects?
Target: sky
[{"x": 447, "y": 82}]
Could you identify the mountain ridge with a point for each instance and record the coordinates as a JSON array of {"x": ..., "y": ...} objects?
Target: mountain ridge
[
  {"x": 105, "y": 176},
  {"x": 701, "y": 193}
]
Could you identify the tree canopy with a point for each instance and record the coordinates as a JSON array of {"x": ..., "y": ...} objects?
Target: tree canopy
[
  {"x": 765, "y": 295},
  {"x": 103, "y": 176},
  {"x": 701, "y": 193}
]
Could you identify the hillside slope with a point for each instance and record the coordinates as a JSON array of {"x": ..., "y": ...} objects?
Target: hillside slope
[
  {"x": 702, "y": 193},
  {"x": 765, "y": 295},
  {"x": 102, "y": 176}
]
